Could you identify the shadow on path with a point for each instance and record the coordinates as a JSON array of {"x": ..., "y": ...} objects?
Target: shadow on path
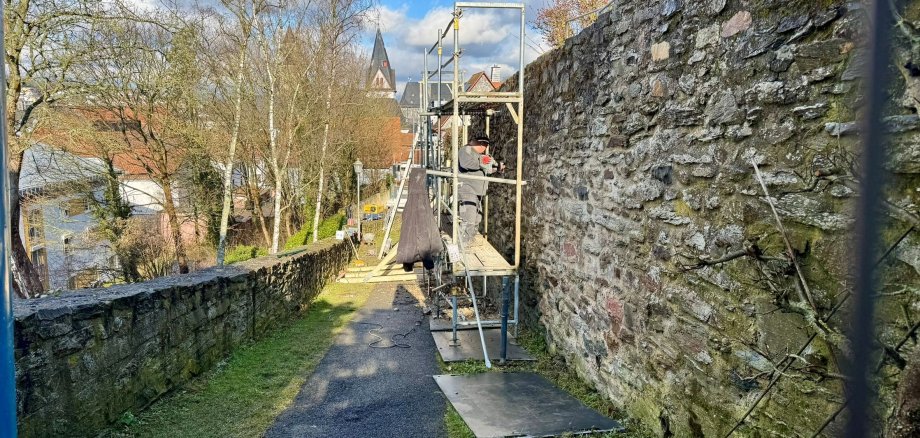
[{"x": 375, "y": 380}]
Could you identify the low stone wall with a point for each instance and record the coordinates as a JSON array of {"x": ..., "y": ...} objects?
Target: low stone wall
[
  {"x": 651, "y": 257},
  {"x": 85, "y": 358}
]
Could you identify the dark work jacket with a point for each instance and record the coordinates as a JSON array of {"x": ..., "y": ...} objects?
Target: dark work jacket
[{"x": 420, "y": 239}]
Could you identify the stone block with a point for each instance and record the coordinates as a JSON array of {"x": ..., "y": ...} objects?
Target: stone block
[
  {"x": 739, "y": 22},
  {"x": 661, "y": 51}
]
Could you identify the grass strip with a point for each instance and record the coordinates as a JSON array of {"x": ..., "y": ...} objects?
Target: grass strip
[{"x": 242, "y": 396}]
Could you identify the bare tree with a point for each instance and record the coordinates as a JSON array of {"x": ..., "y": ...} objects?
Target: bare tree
[
  {"x": 239, "y": 33},
  {"x": 339, "y": 23},
  {"x": 45, "y": 42},
  {"x": 150, "y": 98},
  {"x": 556, "y": 20},
  {"x": 287, "y": 64}
]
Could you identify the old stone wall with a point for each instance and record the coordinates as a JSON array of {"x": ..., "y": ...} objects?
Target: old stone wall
[
  {"x": 651, "y": 258},
  {"x": 87, "y": 357}
]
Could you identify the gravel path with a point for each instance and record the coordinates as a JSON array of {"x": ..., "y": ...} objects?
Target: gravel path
[{"x": 359, "y": 391}]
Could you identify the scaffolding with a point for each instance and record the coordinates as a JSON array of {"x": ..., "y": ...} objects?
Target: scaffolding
[{"x": 442, "y": 165}]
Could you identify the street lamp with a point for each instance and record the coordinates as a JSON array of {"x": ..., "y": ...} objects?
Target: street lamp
[{"x": 359, "y": 170}]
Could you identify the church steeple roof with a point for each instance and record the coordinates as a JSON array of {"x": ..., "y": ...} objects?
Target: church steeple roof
[{"x": 380, "y": 63}]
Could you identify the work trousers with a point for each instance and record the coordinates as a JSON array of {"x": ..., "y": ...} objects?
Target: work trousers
[{"x": 470, "y": 217}]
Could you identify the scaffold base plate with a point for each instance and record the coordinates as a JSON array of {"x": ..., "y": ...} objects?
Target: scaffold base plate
[
  {"x": 519, "y": 404},
  {"x": 470, "y": 347}
]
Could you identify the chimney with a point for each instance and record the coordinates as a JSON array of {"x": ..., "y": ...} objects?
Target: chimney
[{"x": 495, "y": 75}]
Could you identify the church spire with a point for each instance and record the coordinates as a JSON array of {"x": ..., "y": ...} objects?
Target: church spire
[{"x": 381, "y": 78}]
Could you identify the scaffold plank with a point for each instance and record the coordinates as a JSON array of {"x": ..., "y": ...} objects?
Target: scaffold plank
[{"x": 482, "y": 259}]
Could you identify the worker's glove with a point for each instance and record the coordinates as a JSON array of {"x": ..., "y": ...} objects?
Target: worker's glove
[{"x": 486, "y": 160}]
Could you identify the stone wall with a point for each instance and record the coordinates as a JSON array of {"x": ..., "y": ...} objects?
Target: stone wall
[
  {"x": 651, "y": 257},
  {"x": 85, "y": 358}
]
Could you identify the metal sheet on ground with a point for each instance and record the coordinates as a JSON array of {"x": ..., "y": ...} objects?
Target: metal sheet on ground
[
  {"x": 470, "y": 347},
  {"x": 519, "y": 404}
]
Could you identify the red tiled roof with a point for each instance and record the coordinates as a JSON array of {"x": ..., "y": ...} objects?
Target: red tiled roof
[
  {"x": 89, "y": 132},
  {"x": 478, "y": 76}
]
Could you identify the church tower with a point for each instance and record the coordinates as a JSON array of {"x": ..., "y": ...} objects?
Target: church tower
[{"x": 381, "y": 78}]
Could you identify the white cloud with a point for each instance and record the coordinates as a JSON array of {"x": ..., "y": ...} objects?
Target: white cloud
[
  {"x": 143, "y": 5},
  {"x": 487, "y": 37}
]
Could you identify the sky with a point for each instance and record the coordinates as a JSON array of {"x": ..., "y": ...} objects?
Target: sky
[{"x": 487, "y": 36}]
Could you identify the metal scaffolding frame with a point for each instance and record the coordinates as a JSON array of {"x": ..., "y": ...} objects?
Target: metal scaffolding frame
[{"x": 443, "y": 164}]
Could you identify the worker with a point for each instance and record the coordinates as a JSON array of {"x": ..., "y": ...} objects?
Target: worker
[{"x": 474, "y": 160}]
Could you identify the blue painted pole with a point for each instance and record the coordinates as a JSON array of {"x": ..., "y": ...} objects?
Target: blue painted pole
[
  {"x": 505, "y": 298},
  {"x": 861, "y": 390},
  {"x": 453, "y": 322},
  {"x": 7, "y": 364}
]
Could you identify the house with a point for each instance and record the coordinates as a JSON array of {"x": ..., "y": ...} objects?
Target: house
[
  {"x": 56, "y": 223},
  {"x": 479, "y": 82},
  {"x": 410, "y": 102}
]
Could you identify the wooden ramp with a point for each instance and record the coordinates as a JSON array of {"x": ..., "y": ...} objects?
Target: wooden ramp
[
  {"x": 383, "y": 277},
  {"x": 383, "y": 272}
]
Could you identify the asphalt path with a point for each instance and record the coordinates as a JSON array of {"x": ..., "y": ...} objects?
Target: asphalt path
[{"x": 375, "y": 380}]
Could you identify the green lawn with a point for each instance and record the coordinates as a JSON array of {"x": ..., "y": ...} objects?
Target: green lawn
[
  {"x": 554, "y": 369},
  {"x": 244, "y": 394}
]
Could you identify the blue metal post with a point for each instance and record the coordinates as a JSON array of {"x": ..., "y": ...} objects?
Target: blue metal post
[
  {"x": 860, "y": 390},
  {"x": 453, "y": 322},
  {"x": 517, "y": 293},
  {"x": 7, "y": 364},
  {"x": 505, "y": 302}
]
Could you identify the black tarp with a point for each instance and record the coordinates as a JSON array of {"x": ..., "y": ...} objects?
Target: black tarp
[{"x": 419, "y": 239}]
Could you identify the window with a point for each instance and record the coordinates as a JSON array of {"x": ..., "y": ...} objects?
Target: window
[
  {"x": 67, "y": 242},
  {"x": 36, "y": 227},
  {"x": 74, "y": 207}
]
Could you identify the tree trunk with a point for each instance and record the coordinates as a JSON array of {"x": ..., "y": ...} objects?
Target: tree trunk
[
  {"x": 252, "y": 190},
  {"x": 287, "y": 223},
  {"x": 228, "y": 171},
  {"x": 169, "y": 206},
  {"x": 322, "y": 157},
  {"x": 273, "y": 148},
  {"x": 276, "y": 225},
  {"x": 28, "y": 283}
]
